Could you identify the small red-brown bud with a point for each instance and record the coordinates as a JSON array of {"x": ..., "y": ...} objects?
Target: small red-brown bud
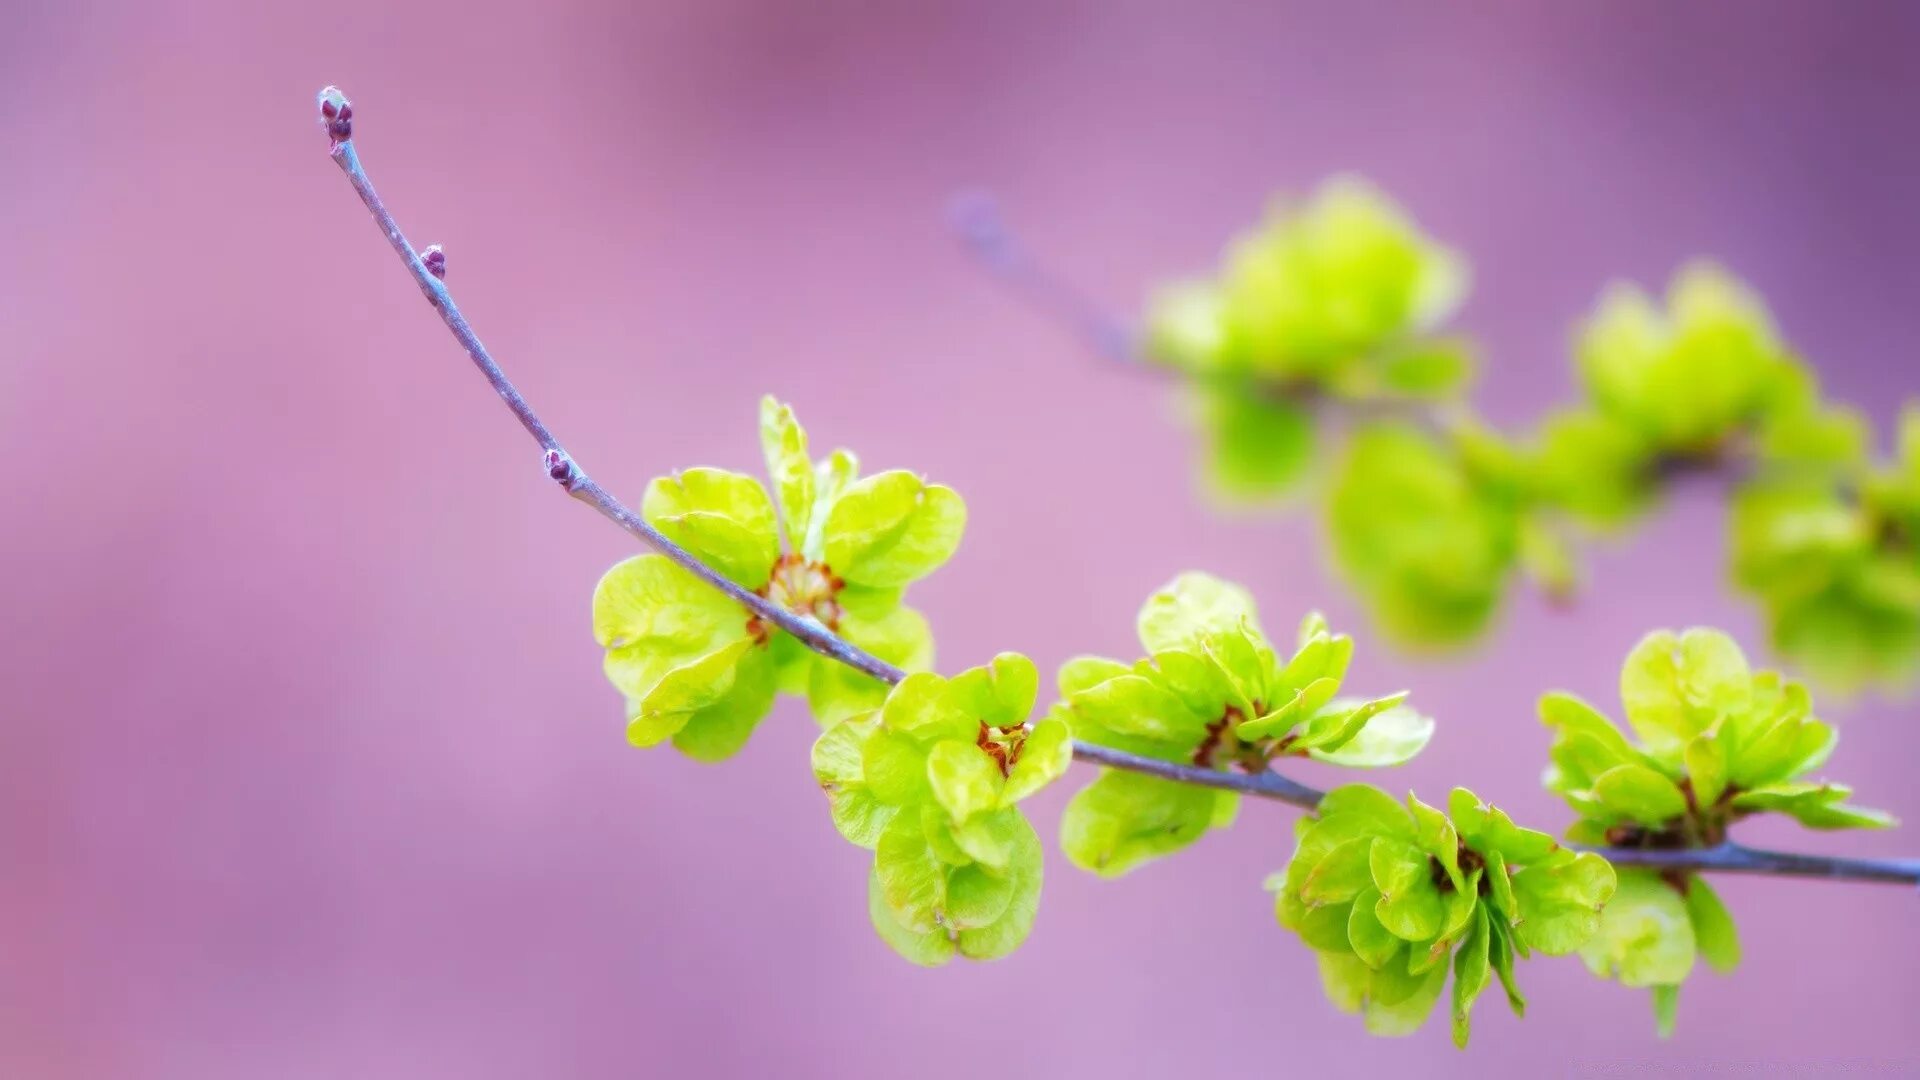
[
  {"x": 336, "y": 114},
  {"x": 560, "y": 469},
  {"x": 436, "y": 261}
]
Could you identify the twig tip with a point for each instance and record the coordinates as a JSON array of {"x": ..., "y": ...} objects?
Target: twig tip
[{"x": 336, "y": 114}]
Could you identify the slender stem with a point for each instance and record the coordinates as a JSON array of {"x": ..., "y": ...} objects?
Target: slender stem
[
  {"x": 1732, "y": 858},
  {"x": 336, "y": 113},
  {"x": 1266, "y": 784}
]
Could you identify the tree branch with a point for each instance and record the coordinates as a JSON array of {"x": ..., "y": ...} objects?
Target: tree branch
[{"x": 336, "y": 115}]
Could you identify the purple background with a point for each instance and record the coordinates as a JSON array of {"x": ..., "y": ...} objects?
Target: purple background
[{"x": 307, "y": 768}]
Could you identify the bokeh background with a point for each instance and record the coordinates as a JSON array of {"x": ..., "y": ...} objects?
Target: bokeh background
[{"x": 306, "y": 765}]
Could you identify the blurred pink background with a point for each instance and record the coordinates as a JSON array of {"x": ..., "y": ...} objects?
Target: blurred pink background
[{"x": 307, "y": 767}]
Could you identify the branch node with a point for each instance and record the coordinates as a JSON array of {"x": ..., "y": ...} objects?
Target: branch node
[
  {"x": 561, "y": 469},
  {"x": 436, "y": 261},
  {"x": 336, "y": 115}
]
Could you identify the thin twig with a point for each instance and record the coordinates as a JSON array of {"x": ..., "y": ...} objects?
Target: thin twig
[
  {"x": 1732, "y": 858},
  {"x": 337, "y": 115}
]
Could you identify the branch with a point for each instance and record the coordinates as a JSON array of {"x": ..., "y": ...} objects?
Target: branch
[
  {"x": 428, "y": 269},
  {"x": 1731, "y": 858}
]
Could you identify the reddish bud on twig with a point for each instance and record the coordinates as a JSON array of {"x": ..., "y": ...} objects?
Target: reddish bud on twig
[
  {"x": 436, "y": 261},
  {"x": 336, "y": 114},
  {"x": 560, "y": 469}
]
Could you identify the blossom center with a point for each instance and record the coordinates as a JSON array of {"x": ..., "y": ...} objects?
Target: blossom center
[
  {"x": 808, "y": 589},
  {"x": 1003, "y": 744}
]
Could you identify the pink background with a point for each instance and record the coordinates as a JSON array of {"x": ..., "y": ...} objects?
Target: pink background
[{"x": 307, "y": 768}]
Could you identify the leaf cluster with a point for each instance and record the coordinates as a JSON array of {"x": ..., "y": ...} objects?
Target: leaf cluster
[
  {"x": 1712, "y": 743},
  {"x": 930, "y": 783},
  {"x": 1333, "y": 306},
  {"x": 1391, "y": 895},
  {"x": 1335, "y": 299},
  {"x": 1212, "y": 691},
  {"x": 827, "y": 544}
]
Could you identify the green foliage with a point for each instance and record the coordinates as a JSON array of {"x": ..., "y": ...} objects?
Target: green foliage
[
  {"x": 1387, "y": 893},
  {"x": 1428, "y": 533},
  {"x": 930, "y": 783},
  {"x": 1212, "y": 691},
  {"x": 1713, "y": 743},
  {"x": 1708, "y": 369},
  {"x": 1334, "y": 299},
  {"x": 699, "y": 669},
  {"x": 1330, "y": 306},
  {"x": 1835, "y": 562}
]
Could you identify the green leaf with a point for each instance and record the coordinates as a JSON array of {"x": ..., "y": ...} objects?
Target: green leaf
[
  {"x": 1085, "y": 672},
  {"x": 688, "y": 690},
  {"x": 784, "y": 444},
  {"x": 1471, "y": 973},
  {"x": 1429, "y": 544},
  {"x": 1383, "y": 814},
  {"x": 1257, "y": 446},
  {"x": 1191, "y": 608},
  {"x": 1409, "y": 1013},
  {"x": 1340, "y": 875},
  {"x": 832, "y": 476},
  {"x": 1640, "y": 794},
  {"x": 1122, "y": 820},
  {"x": 992, "y": 838},
  {"x": 895, "y": 767},
  {"x": 652, "y": 616},
  {"x": 965, "y": 781},
  {"x": 1558, "y": 901},
  {"x": 1369, "y": 939},
  {"x": 720, "y": 729},
  {"x": 913, "y": 880},
  {"x": 1410, "y": 905},
  {"x": 1500, "y": 958},
  {"x": 893, "y": 528},
  {"x": 1675, "y": 687},
  {"x": 1043, "y": 759},
  {"x": 1001, "y": 693},
  {"x": 1023, "y": 870},
  {"x": 1138, "y": 705},
  {"x": 1392, "y": 735},
  {"x": 930, "y": 948},
  {"x": 1706, "y": 761},
  {"x": 858, "y": 814},
  {"x": 1434, "y": 833},
  {"x": 1713, "y": 927},
  {"x": 976, "y": 897},
  {"x": 1666, "y": 1005},
  {"x": 723, "y": 517},
  {"x": 1310, "y": 699},
  {"x": 1645, "y": 937},
  {"x": 1817, "y": 806},
  {"x": 1434, "y": 368},
  {"x": 923, "y": 707}
]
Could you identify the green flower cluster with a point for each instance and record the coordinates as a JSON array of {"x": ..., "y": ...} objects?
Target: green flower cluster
[
  {"x": 1336, "y": 299},
  {"x": 1716, "y": 743},
  {"x": 1387, "y": 893},
  {"x": 1428, "y": 530},
  {"x": 1211, "y": 692},
  {"x": 1334, "y": 302},
  {"x": 1705, "y": 382},
  {"x": 1835, "y": 561},
  {"x": 930, "y": 783},
  {"x": 698, "y": 668}
]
